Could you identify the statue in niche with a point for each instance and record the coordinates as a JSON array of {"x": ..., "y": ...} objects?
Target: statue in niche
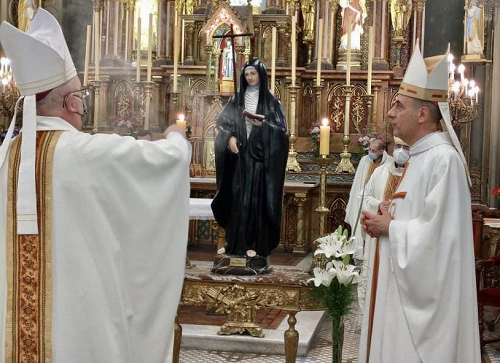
[
  {"x": 474, "y": 28},
  {"x": 227, "y": 60},
  {"x": 400, "y": 15},
  {"x": 356, "y": 11},
  {"x": 25, "y": 13},
  {"x": 309, "y": 15},
  {"x": 189, "y": 7}
]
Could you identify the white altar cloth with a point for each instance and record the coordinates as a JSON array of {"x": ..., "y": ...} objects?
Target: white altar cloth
[{"x": 200, "y": 209}]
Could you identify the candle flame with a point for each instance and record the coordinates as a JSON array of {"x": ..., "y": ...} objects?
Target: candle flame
[
  {"x": 181, "y": 116},
  {"x": 325, "y": 122}
]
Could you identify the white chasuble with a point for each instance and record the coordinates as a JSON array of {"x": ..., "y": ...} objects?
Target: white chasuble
[
  {"x": 426, "y": 307},
  {"x": 363, "y": 173},
  {"x": 119, "y": 231}
]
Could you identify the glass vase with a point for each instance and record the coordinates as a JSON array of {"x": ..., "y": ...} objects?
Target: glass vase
[{"x": 337, "y": 338}]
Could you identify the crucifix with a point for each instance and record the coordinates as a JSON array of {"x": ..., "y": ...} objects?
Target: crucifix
[{"x": 232, "y": 36}]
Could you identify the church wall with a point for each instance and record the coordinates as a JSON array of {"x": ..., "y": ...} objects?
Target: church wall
[{"x": 77, "y": 14}]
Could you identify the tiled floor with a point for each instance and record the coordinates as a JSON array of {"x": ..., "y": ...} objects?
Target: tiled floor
[{"x": 320, "y": 352}]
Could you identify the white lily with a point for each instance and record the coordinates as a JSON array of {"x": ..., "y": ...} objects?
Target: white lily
[
  {"x": 322, "y": 277},
  {"x": 330, "y": 245},
  {"x": 347, "y": 248},
  {"x": 344, "y": 273}
]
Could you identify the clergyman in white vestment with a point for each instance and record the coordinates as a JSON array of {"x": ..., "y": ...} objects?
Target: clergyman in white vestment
[
  {"x": 376, "y": 157},
  {"x": 93, "y": 228},
  {"x": 425, "y": 307}
]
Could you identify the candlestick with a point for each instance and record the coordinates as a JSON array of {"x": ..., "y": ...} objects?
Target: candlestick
[
  {"x": 273, "y": 60},
  {"x": 150, "y": 47},
  {"x": 126, "y": 34},
  {"x": 349, "y": 36},
  {"x": 324, "y": 138},
  {"x": 320, "y": 51},
  {"x": 181, "y": 122},
  {"x": 138, "y": 50},
  {"x": 176, "y": 51},
  {"x": 87, "y": 56},
  {"x": 97, "y": 45},
  {"x": 294, "y": 47},
  {"x": 371, "y": 45}
]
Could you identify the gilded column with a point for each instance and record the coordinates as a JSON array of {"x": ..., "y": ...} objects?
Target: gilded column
[
  {"x": 419, "y": 8},
  {"x": 161, "y": 47},
  {"x": 300, "y": 200},
  {"x": 254, "y": 41},
  {"x": 154, "y": 121},
  {"x": 381, "y": 30},
  {"x": 282, "y": 46},
  {"x": 189, "y": 26}
]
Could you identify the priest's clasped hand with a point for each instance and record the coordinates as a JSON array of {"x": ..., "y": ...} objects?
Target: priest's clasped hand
[{"x": 376, "y": 225}]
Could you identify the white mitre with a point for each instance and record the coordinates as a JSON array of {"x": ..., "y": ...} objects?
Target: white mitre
[
  {"x": 427, "y": 79},
  {"x": 40, "y": 61}
]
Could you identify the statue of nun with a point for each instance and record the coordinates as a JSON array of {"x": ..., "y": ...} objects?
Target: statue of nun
[{"x": 251, "y": 150}]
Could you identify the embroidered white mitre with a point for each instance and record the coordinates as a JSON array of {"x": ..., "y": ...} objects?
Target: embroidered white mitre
[
  {"x": 427, "y": 79},
  {"x": 40, "y": 61}
]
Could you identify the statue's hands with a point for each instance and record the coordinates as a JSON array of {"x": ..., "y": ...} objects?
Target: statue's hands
[
  {"x": 233, "y": 145},
  {"x": 256, "y": 122}
]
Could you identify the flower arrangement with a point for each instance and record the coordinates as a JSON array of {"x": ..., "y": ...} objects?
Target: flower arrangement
[
  {"x": 313, "y": 132},
  {"x": 131, "y": 126},
  {"x": 496, "y": 192},
  {"x": 334, "y": 283}
]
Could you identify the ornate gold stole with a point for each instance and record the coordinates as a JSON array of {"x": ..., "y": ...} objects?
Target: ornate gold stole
[
  {"x": 29, "y": 264},
  {"x": 371, "y": 169}
]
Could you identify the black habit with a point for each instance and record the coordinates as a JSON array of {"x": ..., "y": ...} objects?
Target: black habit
[{"x": 249, "y": 195}]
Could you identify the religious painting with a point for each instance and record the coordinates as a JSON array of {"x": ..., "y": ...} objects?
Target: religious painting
[{"x": 473, "y": 30}]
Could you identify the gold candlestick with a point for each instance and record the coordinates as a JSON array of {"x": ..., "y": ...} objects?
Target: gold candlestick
[
  {"x": 148, "y": 87},
  {"x": 96, "y": 87},
  {"x": 322, "y": 210},
  {"x": 369, "y": 105},
  {"x": 292, "y": 164},
  {"x": 345, "y": 165}
]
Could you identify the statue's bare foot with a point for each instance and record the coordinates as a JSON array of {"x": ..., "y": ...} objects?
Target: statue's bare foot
[
  {"x": 221, "y": 251},
  {"x": 251, "y": 253}
]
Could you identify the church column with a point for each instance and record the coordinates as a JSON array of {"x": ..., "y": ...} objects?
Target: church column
[
  {"x": 282, "y": 45},
  {"x": 326, "y": 14},
  {"x": 255, "y": 41},
  {"x": 381, "y": 30},
  {"x": 208, "y": 75},
  {"x": 154, "y": 120},
  {"x": 240, "y": 51},
  {"x": 169, "y": 38},
  {"x": 161, "y": 47},
  {"x": 103, "y": 102},
  {"x": 189, "y": 26},
  {"x": 419, "y": 6},
  {"x": 300, "y": 246}
]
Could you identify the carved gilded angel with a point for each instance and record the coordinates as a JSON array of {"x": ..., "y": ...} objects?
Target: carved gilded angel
[
  {"x": 308, "y": 13},
  {"x": 401, "y": 11}
]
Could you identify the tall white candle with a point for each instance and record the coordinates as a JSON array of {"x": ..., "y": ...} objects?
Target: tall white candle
[
  {"x": 273, "y": 60},
  {"x": 97, "y": 44},
  {"x": 294, "y": 47},
  {"x": 324, "y": 138},
  {"x": 349, "y": 35},
  {"x": 176, "y": 50},
  {"x": 371, "y": 46},
  {"x": 150, "y": 47},
  {"x": 87, "y": 56},
  {"x": 138, "y": 50}
]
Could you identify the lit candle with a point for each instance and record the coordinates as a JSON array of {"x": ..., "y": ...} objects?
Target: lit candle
[
  {"x": 461, "y": 70},
  {"x": 452, "y": 71},
  {"x": 371, "y": 45},
  {"x": 349, "y": 36},
  {"x": 138, "y": 50},
  {"x": 176, "y": 51},
  {"x": 324, "y": 138},
  {"x": 273, "y": 60},
  {"x": 97, "y": 44},
  {"x": 476, "y": 91},
  {"x": 294, "y": 48},
  {"x": 87, "y": 56},
  {"x": 181, "y": 122},
  {"x": 320, "y": 51},
  {"x": 150, "y": 47}
]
